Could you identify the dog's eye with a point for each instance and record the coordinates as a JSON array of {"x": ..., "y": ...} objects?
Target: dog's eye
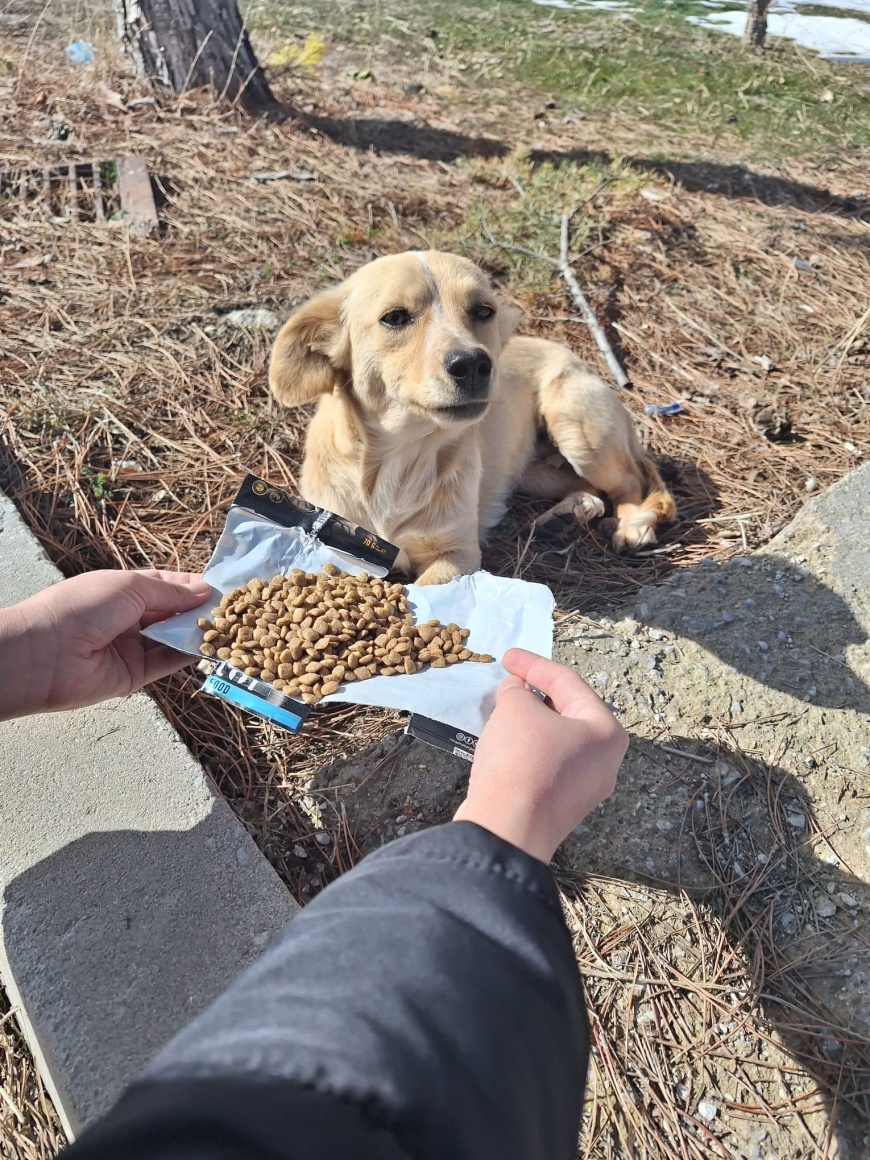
[
  {"x": 481, "y": 312},
  {"x": 396, "y": 319}
]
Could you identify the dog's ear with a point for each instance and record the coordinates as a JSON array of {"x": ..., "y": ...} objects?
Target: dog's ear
[
  {"x": 311, "y": 352},
  {"x": 508, "y": 319}
]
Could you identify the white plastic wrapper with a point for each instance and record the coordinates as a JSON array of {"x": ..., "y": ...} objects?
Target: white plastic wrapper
[{"x": 499, "y": 613}]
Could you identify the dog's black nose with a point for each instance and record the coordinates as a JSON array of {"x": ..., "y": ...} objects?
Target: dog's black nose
[{"x": 470, "y": 370}]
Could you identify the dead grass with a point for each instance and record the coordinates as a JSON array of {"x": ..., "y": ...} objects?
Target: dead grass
[
  {"x": 709, "y": 1039},
  {"x": 129, "y": 412},
  {"x": 29, "y": 1127}
]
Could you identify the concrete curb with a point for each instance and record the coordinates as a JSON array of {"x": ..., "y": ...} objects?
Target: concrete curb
[{"x": 131, "y": 895}]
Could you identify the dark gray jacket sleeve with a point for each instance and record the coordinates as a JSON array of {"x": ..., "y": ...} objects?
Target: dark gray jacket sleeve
[{"x": 425, "y": 1005}]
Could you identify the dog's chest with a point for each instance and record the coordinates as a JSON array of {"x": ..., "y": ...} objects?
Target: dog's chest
[{"x": 423, "y": 489}]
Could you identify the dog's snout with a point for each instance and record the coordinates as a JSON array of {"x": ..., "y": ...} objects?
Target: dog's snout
[{"x": 470, "y": 370}]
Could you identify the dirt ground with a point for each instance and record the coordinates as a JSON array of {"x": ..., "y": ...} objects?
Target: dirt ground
[{"x": 728, "y": 277}]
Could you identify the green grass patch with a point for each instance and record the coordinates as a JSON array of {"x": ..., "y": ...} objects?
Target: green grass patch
[
  {"x": 653, "y": 65},
  {"x": 531, "y": 216}
]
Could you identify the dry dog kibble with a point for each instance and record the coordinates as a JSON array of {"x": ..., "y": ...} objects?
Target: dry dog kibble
[{"x": 308, "y": 633}]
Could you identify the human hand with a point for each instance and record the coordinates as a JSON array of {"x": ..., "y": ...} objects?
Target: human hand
[
  {"x": 540, "y": 768},
  {"x": 78, "y": 642}
]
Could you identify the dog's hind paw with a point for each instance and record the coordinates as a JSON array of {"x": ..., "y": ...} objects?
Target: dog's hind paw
[
  {"x": 634, "y": 534},
  {"x": 583, "y": 506}
]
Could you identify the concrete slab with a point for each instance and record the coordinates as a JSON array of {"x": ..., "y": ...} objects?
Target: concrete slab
[{"x": 130, "y": 893}]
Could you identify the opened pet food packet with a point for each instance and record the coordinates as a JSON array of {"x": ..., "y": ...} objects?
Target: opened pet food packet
[{"x": 301, "y": 614}]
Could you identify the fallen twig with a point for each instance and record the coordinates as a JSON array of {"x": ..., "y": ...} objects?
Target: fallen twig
[
  {"x": 588, "y": 315},
  {"x": 619, "y": 375}
]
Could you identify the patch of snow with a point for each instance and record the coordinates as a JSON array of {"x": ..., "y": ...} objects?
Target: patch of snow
[
  {"x": 822, "y": 34},
  {"x": 841, "y": 39}
]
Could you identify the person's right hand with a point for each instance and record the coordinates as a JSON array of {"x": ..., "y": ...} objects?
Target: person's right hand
[{"x": 539, "y": 768}]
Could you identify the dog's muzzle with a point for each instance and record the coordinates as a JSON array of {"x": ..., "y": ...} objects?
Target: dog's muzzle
[{"x": 471, "y": 371}]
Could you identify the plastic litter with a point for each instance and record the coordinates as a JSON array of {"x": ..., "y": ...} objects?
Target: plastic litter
[
  {"x": 81, "y": 52},
  {"x": 663, "y": 408}
]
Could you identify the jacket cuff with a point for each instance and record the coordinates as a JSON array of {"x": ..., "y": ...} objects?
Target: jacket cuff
[{"x": 475, "y": 848}]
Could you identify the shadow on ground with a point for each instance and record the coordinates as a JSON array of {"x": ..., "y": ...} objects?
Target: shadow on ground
[
  {"x": 734, "y": 181},
  {"x": 772, "y": 621}
]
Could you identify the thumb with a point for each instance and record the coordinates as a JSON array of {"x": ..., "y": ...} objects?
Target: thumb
[
  {"x": 166, "y": 593},
  {"x": 509, "y": 682}
]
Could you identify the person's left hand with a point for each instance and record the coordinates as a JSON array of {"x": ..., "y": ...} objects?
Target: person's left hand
[{"x": 78, "y": 642}]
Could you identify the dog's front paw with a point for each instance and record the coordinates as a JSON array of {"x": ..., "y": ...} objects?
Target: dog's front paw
[{"x": 438, "y": 573}]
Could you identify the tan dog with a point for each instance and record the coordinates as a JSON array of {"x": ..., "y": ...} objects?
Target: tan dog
[{"x": 430, "y": 415}]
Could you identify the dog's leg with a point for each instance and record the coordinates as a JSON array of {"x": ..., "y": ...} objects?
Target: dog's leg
[
  {"x": 594, "y": 432},
  {"x": 437, "y": 559},
  {"x": 549, "y": 482}
]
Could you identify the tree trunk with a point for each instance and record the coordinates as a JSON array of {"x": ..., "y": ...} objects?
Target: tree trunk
[
  {"x": 183, "y": 44},
  {"x": 756, "y": 24}
]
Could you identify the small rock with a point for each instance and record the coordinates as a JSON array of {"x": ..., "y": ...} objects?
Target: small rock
[
  {"x": 810, "y": 483},
  {"x": 253, "y": 319},
  {"x": 847, "y": 899},
  {"x": 796, "y": 821},
  {"x": 400, "y": 820},
  {"x": 298, "y": 852},
  {"x": 736, "y": 708},
  {"x": 763, "y": 645},
  {"x": 727, "y": 618},
  {"x": 787, "y": 921},
  {"x": 663, "y": 825},
  {"x": 825, "y": 907},
  {"x": 243, "y": 855},
  {"x": 322, "y": 839},
  {"x": 708, "y": 1110}
]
